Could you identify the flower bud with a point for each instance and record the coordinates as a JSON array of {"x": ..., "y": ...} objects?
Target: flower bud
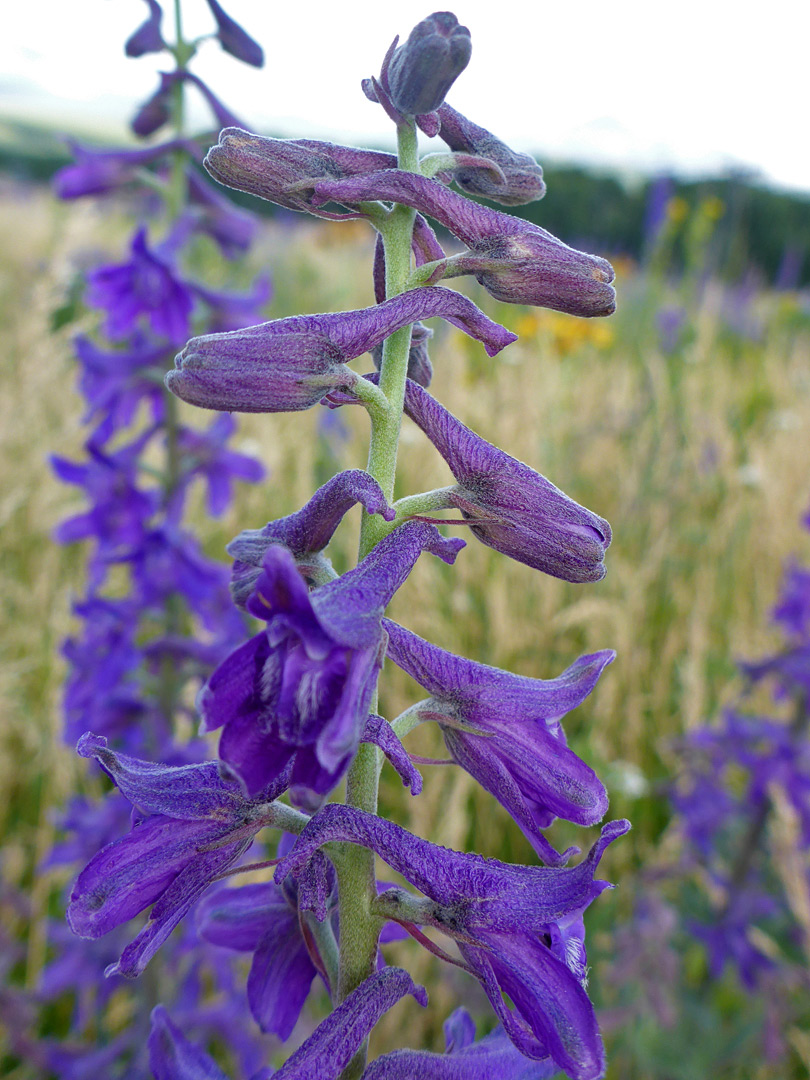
[
  {"x": 426, "y": 66},
  {"x": 523, "y": 177},
  {"x": 234, "y": 39},
  {"x": 147, "y": 38}
]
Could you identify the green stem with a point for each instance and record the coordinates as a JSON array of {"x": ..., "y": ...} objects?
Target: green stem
[{"x": 359, "y": 928}]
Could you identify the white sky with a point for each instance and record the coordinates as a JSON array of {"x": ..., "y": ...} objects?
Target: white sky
[{"x": 689, "y": 85}]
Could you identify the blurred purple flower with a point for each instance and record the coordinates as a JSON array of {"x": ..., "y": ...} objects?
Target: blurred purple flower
[
  {"x": 234, "y": 39},
  {"x": 145, "y": 287},
  {"x": 147, "y": 38}
]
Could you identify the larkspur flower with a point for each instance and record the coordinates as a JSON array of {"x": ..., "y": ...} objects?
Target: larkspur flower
[
  {"x": 516, "y": 262},
  {"x": 293, "y": 363},
  {"x": 306, "y": 532},
  {"x": 508, "y": 505},
  {"x": 518, "y": 928},
  {"x": 234, "y": 39},
  {"x": 504, "y": 730},
  {"x": 192, "y": 826},
  {"x": 299, "y": 692},
  {"x": 422, "y": 70}
]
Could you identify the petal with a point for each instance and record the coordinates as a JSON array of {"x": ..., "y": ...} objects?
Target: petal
[
  {"x": 335, "y": 1041},
  {"x": 280, "y": 978},
  {"x": 380, "y": 732},
  {"x": 239, "y": 918},
  {"x": 173, "y": 1057}
]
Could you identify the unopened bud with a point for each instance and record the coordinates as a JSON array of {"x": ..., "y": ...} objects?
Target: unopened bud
[{"x": 426, "y": 66}]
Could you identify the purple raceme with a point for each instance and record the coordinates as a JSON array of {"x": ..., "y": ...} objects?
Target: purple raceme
[
  {"x": 296, "y": 703},
  {"x": 738, "y": 774}
]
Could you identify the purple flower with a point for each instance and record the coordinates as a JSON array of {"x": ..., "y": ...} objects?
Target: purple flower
[
  {"x": 306, "y": 532},
  {"x": 421, "y": 71},
  {"x": 145, "y": 287},
  {"x": 509, "y": 506},
  {"x": 114, "y": 383},
  {"x": 206, "y": 454},
  {"x": 420, "y": 368},
  {"x": 516, "y": 262},
  {"x": 494, "y": 1057},
  {"x": 336, "y": 1040},
  {"x": 232, "y": 229},
  {"x": 95, "y": 172},
  {"x": 233, "y": 38},
  {"x": 522, "y": 177},
  {"x": 120, "y": 510},
  {"x": 284, "y": 171},
  {"x": 263, "y": 919},
  {"x": 192, "y": 825},
  {"x": 156, "y": 110},
  {"x": 504, "y": 730},
  {"x": 519, "y": 928},
  {"x": 173, "y": 1057},
  {"x": 292, "y": 363},
  {"x": 300, "y": 690},
  {"x": 147, "y": 38}
]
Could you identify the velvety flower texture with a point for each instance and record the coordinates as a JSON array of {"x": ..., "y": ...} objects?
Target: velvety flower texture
[
  {"x": 307, "y": 532},
  {"x": 494, "y": 1057},
  {"x": 519, "y": 928},
  {"x": 192, "y": 825},
  {"x": 299, "y": 691},
  {"x": 522, "y": 176},
  {"x": 284, "y": 171},
  {"x": 516, "y": 262},
  {"x": 508, "y": 505},
  {"x": 421, "y": 71},
  {"x": 292, "y": 363},
  {"x": 504, "y": 730},
  {"x": 323, "y": 1056}
]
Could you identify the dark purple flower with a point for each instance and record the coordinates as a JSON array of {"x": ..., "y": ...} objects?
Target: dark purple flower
[
  {"x": 504, "y": 730},
  {"x": 516, "y": 262},
  {"x": 519, "y": 928},
  {"x": 147, "y": 38},
  {"x": 263, "y": 919},
  {"x": 422, "y": 70},
  {"x": 494, "y": 1057},
  {"x": 792, "y": 612},
  {"x": 306, "y": 532},
  {"x": 522, "y": 177},
  {"x": 95, "y": 172},
  {"x": 145, "y": 287},
  {"x": 233, "y": 38},
  {"x": 508, "y": 505},
  {"x": 284, "y": 171},
  {"x": 300, "y": 690},
  {"x": 292, "y": 363},
  {"x": 192, "y": 825}
]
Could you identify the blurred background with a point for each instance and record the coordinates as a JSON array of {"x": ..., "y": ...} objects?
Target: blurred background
[{"x": 671, "y": 143}]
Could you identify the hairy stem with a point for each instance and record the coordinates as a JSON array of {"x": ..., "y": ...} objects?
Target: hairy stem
[{"x": 359, "y": 928}]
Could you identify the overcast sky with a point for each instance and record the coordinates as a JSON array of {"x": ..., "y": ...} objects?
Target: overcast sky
[{"x": 693, "y": 86}]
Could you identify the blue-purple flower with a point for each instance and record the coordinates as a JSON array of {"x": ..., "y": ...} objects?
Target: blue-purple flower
[
  {"x": 292, "y": 363},
  {"x": 298, "y": 693},
  {"x": 192, "y": 826},
  {"x": 508, "y": 505},
  {"x": 504, "y": 729},
  {"x": 519, "y": 928}
]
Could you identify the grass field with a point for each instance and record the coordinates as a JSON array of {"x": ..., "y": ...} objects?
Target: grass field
[{"x": 698, "y": 456}]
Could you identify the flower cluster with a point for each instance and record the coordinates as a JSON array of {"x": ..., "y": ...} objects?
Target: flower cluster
[
  {"x": 156, "y": 615},
  {"x": 296, "y": 704},
  {"x": 746, "y": 778}
]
